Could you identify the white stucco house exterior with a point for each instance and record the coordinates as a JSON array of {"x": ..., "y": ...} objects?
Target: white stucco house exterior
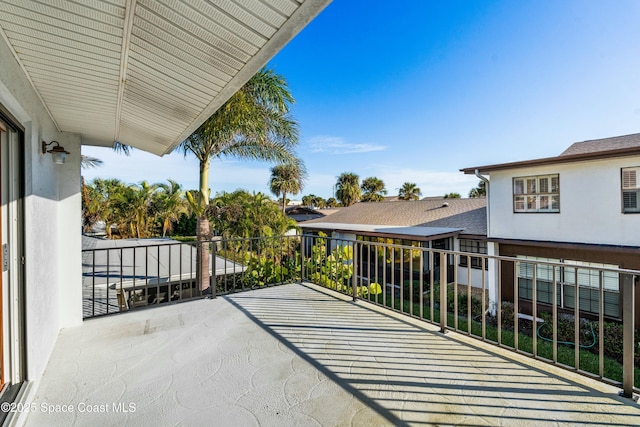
[
  {"x": 138, "y": 72},
  {"x": 581, "y": 208}
]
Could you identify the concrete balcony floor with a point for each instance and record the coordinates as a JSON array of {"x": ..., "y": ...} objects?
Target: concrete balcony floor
[{"x": 295, "y": 355}]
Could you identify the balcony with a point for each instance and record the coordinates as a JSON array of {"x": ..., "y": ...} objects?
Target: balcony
[{"x": 304, "y": 354}]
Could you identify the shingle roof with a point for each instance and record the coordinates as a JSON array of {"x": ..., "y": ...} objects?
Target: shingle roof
[
  {"x": 596, "y": 149},
  {"x": 604, "y": 144},
  {"x": 467, "y": 214}
]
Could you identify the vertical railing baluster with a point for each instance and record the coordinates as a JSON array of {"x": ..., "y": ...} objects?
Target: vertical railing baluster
[
  {"x": 576, "y": 322},
  {"x": 108, "y": 271},
  {"x": 169, "y": 280},
  {"x": 516, "y": 297},
  {"x": 121, "y": 284},
  {"x": 421, "y": 285},
  {"x": 384, "y": 276},
  {"x": 377, "y": 273},
  {"x": 484, "y": 298},
  {"x": 499, "y": 302},
  {"x": 354, "y": 276},
  {"x": 393, "y": 278},
  {"x": 555, "y": 317},
  {"x": 401, "y": 279},
  {"x": 412, "y": 310},
  {"x": 303, "y": 264},
  {"x": 158, "y": 278},
  {"x": 93, "y": 285},
  {"x": 628, "y": 329},
  {"x": 443, "y": 292},
  {"x": 534, "y": 311},
  {"x": 146, "y": 273},
  {"x": 455, "y": 290},
  {"x": 432, "y": 319},
  {"x": 601, "y": 326},
  {"x": 182, "y": 290},
  {"x": 469, "y": 313},
  {"x": 214, "y": 275}
]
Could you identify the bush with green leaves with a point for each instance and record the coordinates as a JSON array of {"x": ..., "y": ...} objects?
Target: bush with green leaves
[{"x": 335, "y": 269}]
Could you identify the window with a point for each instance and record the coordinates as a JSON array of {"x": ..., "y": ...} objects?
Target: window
[
  {"x": 630, "y": 190},
  {"x": 475, "y": 247},
  {"x": 588, "y": 279},
  {"x": 539, "y": 193}
]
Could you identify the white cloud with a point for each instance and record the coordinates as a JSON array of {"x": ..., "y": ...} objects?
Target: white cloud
[{"x": 337, "y": 145}]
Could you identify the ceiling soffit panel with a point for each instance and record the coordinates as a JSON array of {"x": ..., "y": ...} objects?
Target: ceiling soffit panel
[{"x": 145, "y": 73}]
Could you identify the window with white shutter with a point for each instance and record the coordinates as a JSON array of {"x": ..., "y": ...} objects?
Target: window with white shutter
[{"x": 631, "y": 190}]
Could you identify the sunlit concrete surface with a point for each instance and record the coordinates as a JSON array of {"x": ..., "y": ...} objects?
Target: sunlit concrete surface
[{"x": 294, "y": 355}]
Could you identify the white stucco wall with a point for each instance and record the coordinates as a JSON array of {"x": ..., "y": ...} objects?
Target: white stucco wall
[
  {"x": 590, "y": 205},
  {"x": 476, "y": 277},
  {"x": 52, "y": 211}
]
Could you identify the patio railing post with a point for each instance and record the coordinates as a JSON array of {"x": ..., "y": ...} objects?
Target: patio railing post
[
  {"x": 303, "y": 243},
  {"x": 354, "y": 276},
  {"x": 443, "y": 292},
  {"x": 628, "y": 345},
  {"x": 214, "y": 249}
]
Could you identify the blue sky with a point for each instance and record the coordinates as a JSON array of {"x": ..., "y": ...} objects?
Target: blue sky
[{"x": 415, "y": 90}]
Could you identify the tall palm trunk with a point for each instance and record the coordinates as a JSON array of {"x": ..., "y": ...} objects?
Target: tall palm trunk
[
  {"x": 203, "y": 231},
  {"x": 202, "y": 257},
  {"x": 284, "y": 202}
]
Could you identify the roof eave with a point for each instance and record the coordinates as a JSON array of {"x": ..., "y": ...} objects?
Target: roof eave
[
  {"x": 305, "y": 13},
  {"x": 600, "y": 155}
]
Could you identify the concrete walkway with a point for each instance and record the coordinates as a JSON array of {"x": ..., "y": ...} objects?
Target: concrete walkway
[{"x": 296, "y": 356}]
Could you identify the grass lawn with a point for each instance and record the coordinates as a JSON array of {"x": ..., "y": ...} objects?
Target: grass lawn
[{"x": 589, "y": 361}]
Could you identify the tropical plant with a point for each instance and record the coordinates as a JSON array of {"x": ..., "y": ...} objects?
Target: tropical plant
[
  {"x": 90, "y": 205},
  {"x": 331, "y": 202},
  {"x": 452, "y": 196},
  {"x": 107, "y": 194},
  {"x": 348, "y": 188},
  {"x": 172, "y": 205},
  {"x": 311, "y": 200},
  {"x": 335, "y": 270},
  {"x": 139, "y": 199},
  {"x": 373, "y": 190},
  {"x": 409, "y": 191},
  {"x": 253, "y": 124},
  {"x": 241, "y": 214},
  {"x": 287, "y": 178},
  {"x": 479, "y": 191}
]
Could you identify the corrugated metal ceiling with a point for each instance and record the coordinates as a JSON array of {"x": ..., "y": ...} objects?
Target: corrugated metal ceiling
[{"x": 145, "y": 73}]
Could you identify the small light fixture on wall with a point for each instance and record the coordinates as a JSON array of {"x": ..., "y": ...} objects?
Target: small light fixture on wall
[{"x": 58, "y": 152}]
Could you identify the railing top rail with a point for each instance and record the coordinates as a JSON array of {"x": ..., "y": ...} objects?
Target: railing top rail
[{"x": 565, "y": 264}]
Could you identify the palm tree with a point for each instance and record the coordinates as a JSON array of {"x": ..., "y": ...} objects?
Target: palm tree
[
  {"x": 348, "y": 188},
  {"x": 479, "y": 191},
  {"x": 172, "y": 205},
  {"x": 373, "y": 190},
  {"x": 308, "y": 199},
  {"x": 319, "y": 202},
  {"x": 452, "y": 196},
  {"x": 287, "y": 178},
  {"x": 139, "y": 199},
  {"x": 90, "y": 207},
  {"x": 409, "y": 191},
  {"x": 253, "y": 124},
  {"x": 109, "y": 193},
  {"x": 331, "y": 202}
]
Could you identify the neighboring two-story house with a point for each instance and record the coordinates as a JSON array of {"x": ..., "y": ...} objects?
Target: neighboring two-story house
[{"x": 581, "y": 208}]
